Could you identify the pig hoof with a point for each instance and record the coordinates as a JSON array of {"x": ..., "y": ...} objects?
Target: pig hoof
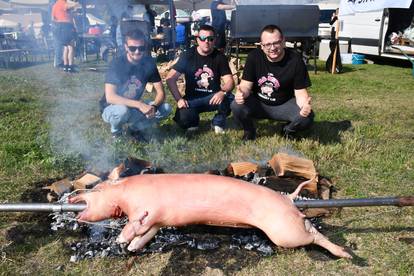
[{"x": 342, "y": 253}]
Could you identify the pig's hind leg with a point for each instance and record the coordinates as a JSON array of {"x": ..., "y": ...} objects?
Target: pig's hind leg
[{"x": 323, "y": 241}]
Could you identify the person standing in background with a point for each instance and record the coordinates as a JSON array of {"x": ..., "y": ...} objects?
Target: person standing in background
[
  {"x": 65, "y": 30},
  {"x": 219, "y": 21}
]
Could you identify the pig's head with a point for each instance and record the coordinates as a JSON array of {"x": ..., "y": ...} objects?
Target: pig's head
[{"x": 101, "y": 204}]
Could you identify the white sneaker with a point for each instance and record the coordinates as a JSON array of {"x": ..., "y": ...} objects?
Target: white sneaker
[
  {"x": 191, "y": 130},
  {"x": 219, "y": 130}
]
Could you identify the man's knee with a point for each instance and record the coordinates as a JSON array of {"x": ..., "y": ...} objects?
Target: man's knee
[
  {"x": 115, "y": 113},
  {"x": 164, "y": 110}
]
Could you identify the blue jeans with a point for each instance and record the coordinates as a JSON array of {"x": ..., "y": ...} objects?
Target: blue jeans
[
  {"x": 58, "y": 54},
  {"x": 190, "y": 117},
  {"x": 118, "y": 115}
]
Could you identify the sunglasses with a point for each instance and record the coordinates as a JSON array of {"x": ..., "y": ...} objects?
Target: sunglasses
[
  {"x": 208, "y": 38},
  {"x": 133, "y": 49}
]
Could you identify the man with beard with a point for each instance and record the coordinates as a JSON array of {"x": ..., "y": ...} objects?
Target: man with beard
[
  {"x": 273, "y": 86},
  {"x": 205, "y": 68},
  {"x": 125, "y": 83}
]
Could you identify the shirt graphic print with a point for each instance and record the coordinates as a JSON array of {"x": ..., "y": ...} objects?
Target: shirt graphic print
[
  {"x": 203, "y": 77},
  {"x": 269, "y": 86}
]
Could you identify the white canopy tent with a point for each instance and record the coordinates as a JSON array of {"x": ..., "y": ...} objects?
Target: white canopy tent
[
  {"x": 36, "y": 3},
  {"x": 351, "y": 7},
  {"x": 93, "y": 20},
  {"x": 5, "y": 23},
  {"x": 5, "y": 6}
]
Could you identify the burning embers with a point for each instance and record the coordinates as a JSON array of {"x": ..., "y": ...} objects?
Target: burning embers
[{"x": 283, "y": 173}]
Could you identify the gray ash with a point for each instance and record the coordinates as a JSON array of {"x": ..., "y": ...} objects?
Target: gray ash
[{"x": 100, "y": 241}]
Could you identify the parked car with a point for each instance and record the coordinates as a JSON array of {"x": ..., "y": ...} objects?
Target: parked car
[
  {"x": 366, "y": 33},
  {"x": 181, "y": 17}
]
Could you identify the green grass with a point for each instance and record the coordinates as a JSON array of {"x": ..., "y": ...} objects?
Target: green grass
[{"x": 363, "y": 139}]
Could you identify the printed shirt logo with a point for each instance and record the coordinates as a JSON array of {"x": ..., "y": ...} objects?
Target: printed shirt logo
[
  {"x": 203, "y": 77},
  {"x": 133, "y": 88},
  {"x": 269, "y": 86}
]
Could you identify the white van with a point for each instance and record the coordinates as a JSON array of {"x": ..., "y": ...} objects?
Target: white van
[{"x": 368, "y": 32}]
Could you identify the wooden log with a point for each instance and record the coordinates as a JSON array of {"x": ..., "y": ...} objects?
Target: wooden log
[
  {"x": 242, "y": 168},
  {"x": 87, "y": 181},
  {"x": 287, "y": 165}
]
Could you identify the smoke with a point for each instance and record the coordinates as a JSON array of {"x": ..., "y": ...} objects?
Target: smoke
[{"x": 73, "y": 129}]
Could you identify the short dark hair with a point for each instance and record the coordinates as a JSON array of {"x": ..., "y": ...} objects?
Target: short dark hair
[
  {"x": 135, "y": 35},
  {"x": 271, "y": 29},
  {"x": 206, "y": 27}
]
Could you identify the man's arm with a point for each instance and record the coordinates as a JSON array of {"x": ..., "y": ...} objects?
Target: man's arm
[
  {"x": 160, "y": 94},
  {"x": 303, "y": 100},
  {"x": 225, "y": 7},
  {"x": 159, "y": 99},
  {"x": 227, "y": 86},
  {"x": 171, "y": 80},
  {"x": 244, "y": 89},
  {"x": 113, "y": 98},
  {"x": 72, "y": 5}
]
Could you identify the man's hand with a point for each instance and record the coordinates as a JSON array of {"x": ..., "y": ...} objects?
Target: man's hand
[
  {"x": 181, "y": 103},
  {"x": 148, "y": 110},
  {"x": 306, "y": 108},
  {"x": 240, "y": 96},
  {"x": 217, "y": 98}
]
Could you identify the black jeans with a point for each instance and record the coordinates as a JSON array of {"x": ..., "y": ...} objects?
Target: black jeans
[
  {"x": 190, "y": 117},
  {"x": 255, "y": 109}
]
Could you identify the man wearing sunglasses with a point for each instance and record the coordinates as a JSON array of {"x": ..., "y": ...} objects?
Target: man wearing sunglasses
[
  {"x": 209, "y": 83},
  {"x": 273, "y": 86},
  {"x": 125, "y": 83}
]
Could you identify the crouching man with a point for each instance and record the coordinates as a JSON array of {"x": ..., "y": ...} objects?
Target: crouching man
[
  {"x": 273, "y": 86},
  {"x": 125, "y": 83},
  {"x": 208, "y": 80}
]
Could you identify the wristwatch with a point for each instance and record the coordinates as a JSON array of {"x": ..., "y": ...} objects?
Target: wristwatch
[{"x": 155, "y": 107}]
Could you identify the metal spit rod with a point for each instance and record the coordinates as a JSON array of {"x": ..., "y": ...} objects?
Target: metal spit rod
[{"x": 331, "y": 203}]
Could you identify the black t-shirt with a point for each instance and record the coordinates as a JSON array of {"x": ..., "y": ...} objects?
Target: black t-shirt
[
  {"x": 130, "y": 79},
  {"x": 274, "y": 82},
  {"x": 202, "y": 73},
  {"x": 218, "y": 16}
]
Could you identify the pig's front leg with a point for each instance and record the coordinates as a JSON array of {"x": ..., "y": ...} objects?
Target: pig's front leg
[
  {"x": 140, "y": 241},
  {"x": 138, "y": 231}
]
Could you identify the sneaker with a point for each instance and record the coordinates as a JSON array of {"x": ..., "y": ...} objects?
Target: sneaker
[
  {"x": 191, "y": 130},
  {"x": 137, "y": 136},
  {"x": 249, "y": 136},
  {"x": 65, "y": 68},
  {"x": 218, "y": 130},
  {"x": 116, "y": 135}
]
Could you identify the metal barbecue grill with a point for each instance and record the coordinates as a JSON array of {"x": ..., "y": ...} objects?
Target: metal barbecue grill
[{"x": 299, "y": 23}]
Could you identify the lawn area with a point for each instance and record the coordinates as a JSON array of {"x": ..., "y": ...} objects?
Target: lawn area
[{"x": 362, "y": 139}]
